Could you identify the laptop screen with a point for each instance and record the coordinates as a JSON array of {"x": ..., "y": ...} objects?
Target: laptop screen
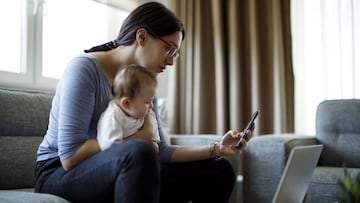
[{"x": 297, "y": 174}]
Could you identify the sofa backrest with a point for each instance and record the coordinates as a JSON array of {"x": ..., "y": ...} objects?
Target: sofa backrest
[
  {"x": 338, "y": 128},
  {"x": 24, "y": 116}
]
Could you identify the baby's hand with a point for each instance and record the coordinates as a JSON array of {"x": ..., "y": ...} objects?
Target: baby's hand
[{"x": 156, "y": 146}]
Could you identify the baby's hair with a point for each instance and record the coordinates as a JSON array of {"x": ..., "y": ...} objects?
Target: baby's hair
[{"x": 130, "y": 79}]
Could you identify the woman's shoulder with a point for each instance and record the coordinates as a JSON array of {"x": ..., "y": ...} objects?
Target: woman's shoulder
[
  {"x": 84, "y": 60},
  {"x": 83, "y": 65},
  {"x": 84, "y": 73}
]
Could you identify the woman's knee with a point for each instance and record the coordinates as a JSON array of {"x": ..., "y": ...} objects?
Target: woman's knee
[
  {"x": 226, "y": 165},
  {"x": 226, "y": 179},
  {"x": 137, "y": 152},
  {"x": 139, "y": 173},
  {"x": 226, "y": 170}
]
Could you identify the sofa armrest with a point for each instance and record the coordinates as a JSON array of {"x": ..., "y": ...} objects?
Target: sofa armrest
[
  {"x": 264, "y": 160},
  {"x": 193, "y": 140}
]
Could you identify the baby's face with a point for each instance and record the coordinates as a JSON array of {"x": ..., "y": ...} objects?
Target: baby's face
[{"x": 140, "y": 106}]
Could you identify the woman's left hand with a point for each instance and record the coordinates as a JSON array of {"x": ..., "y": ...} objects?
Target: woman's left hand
[{"x": 227, "y": 144}]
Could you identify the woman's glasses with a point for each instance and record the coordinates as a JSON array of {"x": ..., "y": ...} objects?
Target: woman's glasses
[{"x": 172, "y": 51}]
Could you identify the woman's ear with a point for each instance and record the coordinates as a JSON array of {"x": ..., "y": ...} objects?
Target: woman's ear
[{"x": 141, "y": 35}]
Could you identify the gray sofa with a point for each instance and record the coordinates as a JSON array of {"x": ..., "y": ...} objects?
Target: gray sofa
[
  {"x": 23, "y": 121},
  {"x": 337, "y": 128}
]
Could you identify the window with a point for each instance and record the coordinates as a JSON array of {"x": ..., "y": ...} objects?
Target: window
[
  {"x": 326, "y": 50},
  {"x": 11, "y": 36},
  {"x": 42, "y": 36}
]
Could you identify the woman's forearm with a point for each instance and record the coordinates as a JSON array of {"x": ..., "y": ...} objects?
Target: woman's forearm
[
  {"x": 88, "y": 149},
  {"x": 184, "y": 154}
]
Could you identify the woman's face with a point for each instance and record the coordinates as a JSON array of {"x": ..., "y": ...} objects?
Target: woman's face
[{"x": 158, "y": 53}]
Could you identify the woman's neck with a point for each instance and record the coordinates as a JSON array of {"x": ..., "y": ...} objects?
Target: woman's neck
[
  {"x": 111, "y": 61},
  {"x": 108, "y": 63}
]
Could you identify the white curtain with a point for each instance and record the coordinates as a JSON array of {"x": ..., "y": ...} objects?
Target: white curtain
[{"x": 326, "y": 55}]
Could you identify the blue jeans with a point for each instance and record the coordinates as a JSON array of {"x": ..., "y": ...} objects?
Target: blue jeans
[{"x": 131, "y": 173}]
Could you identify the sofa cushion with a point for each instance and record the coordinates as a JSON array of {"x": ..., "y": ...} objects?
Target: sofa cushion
[
  {"x": 338, "y": 128},
  {"x": 11, "y": 196},
  {"x": 24, "y": 116},
  {"x": 24, "y": 113},
  {"x": 324, "y": 186},
  {"x": 17, "y": 156}
]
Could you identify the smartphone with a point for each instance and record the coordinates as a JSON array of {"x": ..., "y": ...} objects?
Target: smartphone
[{"x": 247, "y": 127}]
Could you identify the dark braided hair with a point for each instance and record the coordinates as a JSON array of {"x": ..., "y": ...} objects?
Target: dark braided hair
[{"x": 153, "y": 16}]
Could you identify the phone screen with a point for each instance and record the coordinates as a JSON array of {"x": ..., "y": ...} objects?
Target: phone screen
[{"x": 247, "y": 127}]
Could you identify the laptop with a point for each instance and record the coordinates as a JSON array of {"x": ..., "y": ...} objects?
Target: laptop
[{"x": 297, "y": 174}]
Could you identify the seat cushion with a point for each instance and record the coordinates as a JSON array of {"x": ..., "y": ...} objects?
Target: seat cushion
[
  {"x": 324, "y": 184},
  {"x": 18, "y": 156},
  {"x": 12, "y": 196}
]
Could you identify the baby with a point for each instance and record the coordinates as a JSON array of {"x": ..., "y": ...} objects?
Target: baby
[{"x": 134, "y": 88}]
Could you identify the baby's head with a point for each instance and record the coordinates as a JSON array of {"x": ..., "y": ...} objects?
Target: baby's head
[{"x": 134, "y": 88}]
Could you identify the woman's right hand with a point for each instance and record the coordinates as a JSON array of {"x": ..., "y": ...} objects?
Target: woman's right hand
[
  {"x": 145, "y": 132},
  {"x": 148, "y": 128},
  {"x": 155, "y": 146},
  {"x": 89, "y": 148}
]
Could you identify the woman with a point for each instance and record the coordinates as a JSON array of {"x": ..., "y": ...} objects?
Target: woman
[{"x": 70, "y": 163}]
